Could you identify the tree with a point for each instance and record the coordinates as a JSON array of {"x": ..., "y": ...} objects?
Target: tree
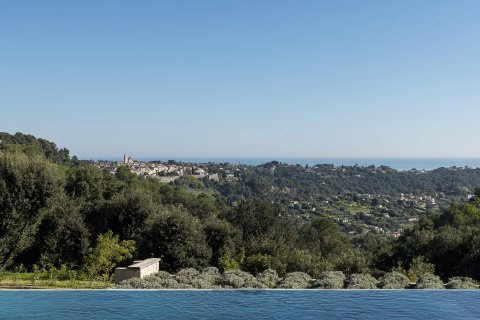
[
  {"x": 32, "y": 146},
  {"x": 222, "y": 238},
  {"x": 126, "y": 213},
  {"x": 91, "y": 184},
  {"x": 418, "y": 267},
  {"x": 108, "y": 253},
  {"x": 176, "y": 237},
  {"x": 267, "y": 251},
  {"x": 449, "y": 241},
  {"x": 259, "y": 218},
  {"x": 323, "y": 237},
  {"x": 62, "y": 237},
  {"x": 27, "y": 185}
]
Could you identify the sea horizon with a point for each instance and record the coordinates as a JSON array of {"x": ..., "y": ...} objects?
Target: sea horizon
[{"x": 398, "y": 163}]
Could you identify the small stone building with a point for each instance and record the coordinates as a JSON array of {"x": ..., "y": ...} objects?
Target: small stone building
[{"x": 139, "y": 269}]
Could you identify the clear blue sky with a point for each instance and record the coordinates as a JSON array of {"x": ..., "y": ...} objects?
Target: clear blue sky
[{"x": 244, "y": 78}]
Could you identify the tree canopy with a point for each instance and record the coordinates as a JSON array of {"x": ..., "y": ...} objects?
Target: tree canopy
[{"x": 58, "y": 212}]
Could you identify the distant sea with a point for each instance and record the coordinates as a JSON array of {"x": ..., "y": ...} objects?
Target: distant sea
[{"x": 395, "y": 163}]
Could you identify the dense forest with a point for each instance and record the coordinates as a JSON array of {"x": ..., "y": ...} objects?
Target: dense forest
[
  {"x": 359, "y": 199},
  {"x": 58, "y": 211},
  {"x": 278, "y": 181}
]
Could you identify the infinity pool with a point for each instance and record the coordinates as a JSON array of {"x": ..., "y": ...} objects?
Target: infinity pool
[{"x": 241, "y": 304}]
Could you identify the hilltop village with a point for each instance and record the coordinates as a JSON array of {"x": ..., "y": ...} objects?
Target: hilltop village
[{"x": 164, "y": 171}]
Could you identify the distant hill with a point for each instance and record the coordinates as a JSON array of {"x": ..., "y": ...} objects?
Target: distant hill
[{"x": 276, "y": 181}]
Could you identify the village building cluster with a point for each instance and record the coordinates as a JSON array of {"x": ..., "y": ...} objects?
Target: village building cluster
[{"x": 164, "y": 171}]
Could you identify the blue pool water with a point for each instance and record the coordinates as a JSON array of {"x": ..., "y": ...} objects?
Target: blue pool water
[{"x": 248, "y": 304}]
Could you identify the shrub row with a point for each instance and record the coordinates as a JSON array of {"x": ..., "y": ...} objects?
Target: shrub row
[{"x": 211, "y": 278}]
